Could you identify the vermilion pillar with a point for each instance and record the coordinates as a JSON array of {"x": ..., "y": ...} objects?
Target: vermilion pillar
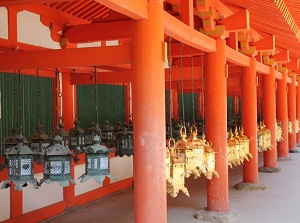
[
  {"x": 16, "y": 202},
  {"x": 298, "y": 110},
  {"x": 269, "y": 111},
  {"x": 249, "y": 120},
  {"x": 68, "y": 112},
  {"x": 216, "y": 126},
  {"x": 175, "y": 104},
  {"x": 148, "y": 97},
  {"x": 282, "y": 115},
  {"x": 292, "y": 113}
]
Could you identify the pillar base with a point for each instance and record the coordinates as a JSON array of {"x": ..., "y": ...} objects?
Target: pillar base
[
  {"x": 294, "y": 151},
  {"x": 284, "y": 159},
  {"x": 249, "y": 186},
  {"x": 213, "y": 216},
  {"x": 264, "y": 169},
  {"x": 73, "y": 209}
]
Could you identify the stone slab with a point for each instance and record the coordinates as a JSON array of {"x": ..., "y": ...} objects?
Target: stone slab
[
  {"x": 248, "y": 186},
  {"x": 213, "y": 216},
  {"x": 264, "y": 169}
]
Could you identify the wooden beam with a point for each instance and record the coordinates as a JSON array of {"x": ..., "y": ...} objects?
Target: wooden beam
[
  {"x": 98, "y": 31},
  {"x": 92, "y": 56},
  {"x": 9, "y": 45},
  {"x": 282, "y": 56},
  {"x": 185, "y": 51},
  {"x": 262, "y": 68},
  {"x": 293, "y": 65},
  {"x": 185, "y": 34},
  {"x": 27, "y": 2},
  {"x": 186, "y": 73},
  {"x": 239, "y": 21},
  {"x": 264, "y": 44},
  {"x": 133, "y": 9},
  {"x": 237, "y": 58}
]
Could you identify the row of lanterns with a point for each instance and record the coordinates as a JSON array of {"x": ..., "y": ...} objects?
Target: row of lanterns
[
  {"x": 186, "y": 157},
  {"x": 56, "y": 155},
  {"x": 238, "y": 147}
]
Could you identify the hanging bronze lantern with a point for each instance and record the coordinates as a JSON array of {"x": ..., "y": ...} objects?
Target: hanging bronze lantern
[
  {"x": 297, "y": 126},
  {"x": 244, "y": 142},
  {"x": 210, "y": 162},
  {"x": 76, "y": 137},
  {"x": 11, "y": 140},
  {"x": 97, "y": 162},
  {"x": 171, "y": 145},
  {"x": 20, "y": 166},
  {"x": 264, "y": 138},
  {"x": 124, "y": 143},
  {"x": 57, "y": 165},
  {"x": 290, "y": 127},
  {"x": 59, "y": 130},
  {"x": 198, "y": 148},
  {"x": 90, "y": 132},
  {"x": 185, "y": 147},
  {"x": 177, "y": 173},
  {"x": 279, "y": 133},
  {"x": 39, "y": 140},
  {"x": 107, "y": 134},
  {"x": 233, "y": 150}
]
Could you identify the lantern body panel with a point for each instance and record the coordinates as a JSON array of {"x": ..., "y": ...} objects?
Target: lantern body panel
[{"x": 124, "y": 143}]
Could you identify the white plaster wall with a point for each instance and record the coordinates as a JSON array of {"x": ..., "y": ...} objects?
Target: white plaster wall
[
  {"x": 81, "y": 188},
  {"x": 3, "y": 23},
  {"x": 32, "y": 31},
  {"x": 4, "y": 204},
  {"x": 121, "y": 167},
  {"x": 47, "y": 194}
]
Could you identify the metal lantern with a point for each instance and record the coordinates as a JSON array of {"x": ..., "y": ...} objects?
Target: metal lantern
[
  {"x": 290, "y": 127},
  {"x": 171, "y": 145},
  {"x": 124, "y": 143},
  {"x": 210, "y": 162},
  {"x": 297, "y": 126},
  {"x": 20, "y": 166},
  {"x": 39, "y": 140},
  {"x": 177, "y": 172},
  {"x": 263, "y": 138},
  {"x": 244, "y": 142},
  {"x": 59, "y": 130},
  {"x": 279, "y": 133},
  {"x": 198, "y": 148},
  {"x": 97, "y": 162},
  {"x": 11, "y": 140},
  {"x": 57, "y": 166},
  {"x": 76, "y": 137},
  {"x": 108, "y": 133},
  {"x": 90, "y": 132},
  {"x": 185, "y": 147},
  {"x": 233, "y": 150}
]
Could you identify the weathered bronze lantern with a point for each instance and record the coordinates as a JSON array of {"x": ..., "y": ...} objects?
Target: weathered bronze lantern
[
  {"x": 59, "y": 130},
  {"x": 177, "y": 173},
  {"x": 244, "y": 142},
  {"x": 297, "y": 126},
  {"x": 210, "y": 162},
  {"x": 290, "y": 127},
  {"x": 90, "y": 132},
  {"x": 198, "y": 148},
  {"x": 108, "y": 133},
  {"x": 97, "y": 162},
  {"x": 279, "y": 133},
  {"x": 11, "y": 140},
  {"x": 186, "y": 148},
  {"x": 39, "y": 140},
  {"x": 124, "y": 143},
  {"x": 20, "y": 166},
  {"x": 76, "y": 137},
  {"x": 233, "y": 146},
  {"x": 57, "y": 166},
  {"x": 263, "y": 138}
]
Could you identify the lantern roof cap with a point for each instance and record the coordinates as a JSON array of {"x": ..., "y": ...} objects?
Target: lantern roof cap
[
  {"x": 57, "y": 149},
  {"x": 20, "y": 149},
  {"x": 97, "y": 148}
]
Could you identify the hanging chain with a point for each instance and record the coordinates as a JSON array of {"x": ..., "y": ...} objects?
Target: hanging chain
[
  {"x": 96, "y": 95},
  {"x": 193, "y": 102},
  {"x": 59, "y": 114},
  {"x": 170, "y": 93},
  {"x": 106, "y": 104},
  {"x": 38, "y": 94},
  {"x": 15, "y": 100},
  {"x": 21, "y": 100},
  {"x": 76, "y": 101},
  {"x": 92, "y": 99},
  {"x": 202, "y": 95},
  {"x": 181, "y": 74},
  {"x": 118, "y": 99}
]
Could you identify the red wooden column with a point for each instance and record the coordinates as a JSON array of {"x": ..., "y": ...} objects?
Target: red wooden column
[
  {"x": 292, "y": 114},
  {"x": 269, "y": 115},
  {"x": 249, "y": 120},
  {"x": 298, "y": 110},
  {"x": 282, "y": 115},
  {"x": 148, "y": 97},
  {"x": 16, "y": 202},
  {"x": 175, "y": 104},
  {"x": 216, "y": 126},
  {"x": 68, "y": 112}
]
